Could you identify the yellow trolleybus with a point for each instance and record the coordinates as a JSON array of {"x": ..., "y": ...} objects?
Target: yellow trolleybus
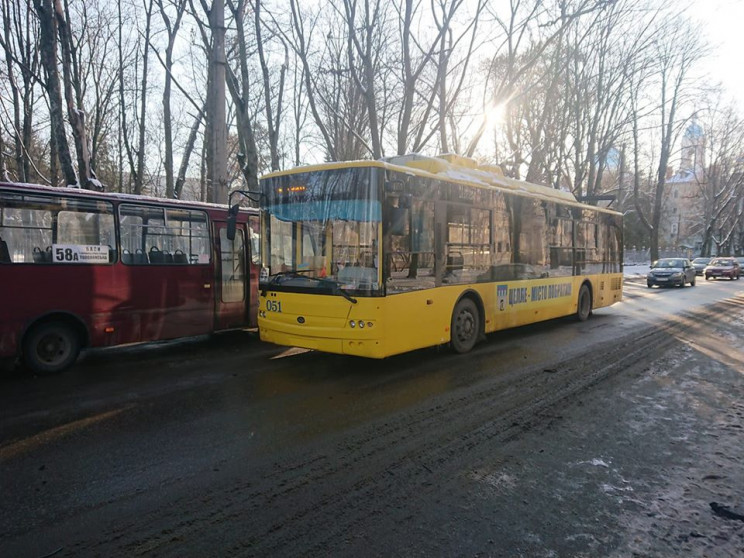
[{"x": 376, "y": 258}]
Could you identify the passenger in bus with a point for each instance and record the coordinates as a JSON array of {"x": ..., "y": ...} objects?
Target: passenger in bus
[{"x": 4, "y": 252}]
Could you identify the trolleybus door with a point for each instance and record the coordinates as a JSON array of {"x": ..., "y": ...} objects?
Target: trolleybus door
[{"x": 233, "y": 266}]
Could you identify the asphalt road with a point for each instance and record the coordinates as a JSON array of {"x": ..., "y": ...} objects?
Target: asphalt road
[{"x": 558, "y": 439}]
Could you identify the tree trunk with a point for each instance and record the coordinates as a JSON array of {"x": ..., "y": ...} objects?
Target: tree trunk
[
  {"x": 139, "y": 174},
  {"x": 188, "y": 150},
  {"x": 48, "y": 47},
  {"x": 217, "y": 154},
  {"x": 75, "y": 113}
]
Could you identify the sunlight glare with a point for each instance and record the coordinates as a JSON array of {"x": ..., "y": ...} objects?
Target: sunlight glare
[{"x": 495, "y": 114}]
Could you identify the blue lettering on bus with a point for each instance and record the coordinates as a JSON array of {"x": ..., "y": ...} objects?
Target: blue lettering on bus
[
  {"x": 538, "y": 293},
  {"x": 549, "y": 292},
  {"x": 517, "y": 296}
]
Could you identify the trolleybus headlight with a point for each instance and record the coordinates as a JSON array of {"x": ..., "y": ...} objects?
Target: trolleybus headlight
[
  {"x": 361, "y": 324},
  {"x": 352, "y": 323}
]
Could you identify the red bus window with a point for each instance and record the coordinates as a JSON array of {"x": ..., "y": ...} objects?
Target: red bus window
[
  {"x": 163, "y": 236},
  {"x": 55, "y": 229}
]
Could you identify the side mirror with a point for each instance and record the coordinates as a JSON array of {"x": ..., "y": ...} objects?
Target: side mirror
[{"x": 232, "y": 221}]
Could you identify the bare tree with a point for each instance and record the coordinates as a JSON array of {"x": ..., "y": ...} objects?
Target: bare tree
[
  {"x": 19, "y": 41},
  {"x": 72, "y": 82},
  {"x": 677, "y": 48},
  {"x": 273, "y": 100},
  {"x": 172, "y": 23},
  {"x": 94, "y": 74},
  {"x": 363, "y": 58},
  {"x": 124, "y": 143},
  {"x": 138, "y": 169},
  {"x": 520, "y": 47},
  {"x": 721, "y": 180},
  {"x": 301, "y": 39},
  {"x": 239, "y": 85},
  {"x": 342, "y": 104},
  {"x": 4, "y": 175},
  {"x": 48, "y": 48}
]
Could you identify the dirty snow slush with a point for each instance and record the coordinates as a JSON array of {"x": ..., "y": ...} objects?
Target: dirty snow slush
[{"x": 633, "y": 448}]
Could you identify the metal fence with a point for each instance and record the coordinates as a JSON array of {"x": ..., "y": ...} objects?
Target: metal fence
[{"x": 636, "y": 255}]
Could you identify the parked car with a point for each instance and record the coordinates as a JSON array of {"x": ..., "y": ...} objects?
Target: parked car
[
  {"x": 671, "y": 272},
  {"x": 723, "y": 267},
  {"x": 699, "y": 265}
]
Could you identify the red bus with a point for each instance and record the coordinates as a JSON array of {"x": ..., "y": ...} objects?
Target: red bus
[{"x": 83, "y": 269}]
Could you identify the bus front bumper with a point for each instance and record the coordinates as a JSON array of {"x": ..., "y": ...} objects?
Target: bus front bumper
[{"x": 328, "y": 342}]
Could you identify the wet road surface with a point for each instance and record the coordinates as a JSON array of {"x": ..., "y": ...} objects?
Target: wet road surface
[{"x": 231, "y": 447}]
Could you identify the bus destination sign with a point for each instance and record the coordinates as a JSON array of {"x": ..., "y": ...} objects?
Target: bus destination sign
[{"x": 80, "y": 253}]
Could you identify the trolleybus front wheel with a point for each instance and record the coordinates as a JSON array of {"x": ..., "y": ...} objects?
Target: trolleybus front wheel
[
  {"x": 584, "y": 307},
  {"x": 50, "y": 347},
  {"x": 465, "y": 328}
]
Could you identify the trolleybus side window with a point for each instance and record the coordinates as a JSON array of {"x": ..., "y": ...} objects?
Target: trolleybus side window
[
  {"x": 409, "y": 246},
  {"x": 560, "y": 240},
  {"x": 468, "y": 248},
  {"x": 46, "y": 229},
  {"x": 160, "y": 236}
]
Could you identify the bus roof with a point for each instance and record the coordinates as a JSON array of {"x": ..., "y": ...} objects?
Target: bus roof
[
  {"x": 452, "y": 168},
  {"x": 43, "y": 189}
]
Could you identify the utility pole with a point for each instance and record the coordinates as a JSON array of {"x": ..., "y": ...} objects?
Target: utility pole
[{"x": 216, "y": 125}]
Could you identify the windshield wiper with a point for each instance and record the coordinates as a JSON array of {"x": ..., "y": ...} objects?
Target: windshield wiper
[
  {"x": 335, "y": 288},
  {"x": 338, "y": 290},
  {"x": 291, "y": 273}
]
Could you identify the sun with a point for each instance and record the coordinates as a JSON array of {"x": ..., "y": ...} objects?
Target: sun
[{"x": 495, "y": 114}]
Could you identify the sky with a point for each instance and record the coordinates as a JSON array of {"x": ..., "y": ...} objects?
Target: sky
[{"x": 722, "y": 24}]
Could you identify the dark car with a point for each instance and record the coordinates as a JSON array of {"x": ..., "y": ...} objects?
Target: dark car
[
  {"x": 723, "y": 267},
  {"x": 671, "y": 272},
  {"x": 699, "y": 265}
]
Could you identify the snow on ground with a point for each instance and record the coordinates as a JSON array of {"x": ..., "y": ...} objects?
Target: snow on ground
[{"x": 635, "y": 270}]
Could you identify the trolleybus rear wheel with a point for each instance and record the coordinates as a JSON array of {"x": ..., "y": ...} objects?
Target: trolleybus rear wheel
[
  {"x": 50, "y": 347},
  {"x": 584, "y": 307},
  {"x": 465, "y": 326}
]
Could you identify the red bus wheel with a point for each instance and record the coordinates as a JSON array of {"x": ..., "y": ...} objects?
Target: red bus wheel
[
  {"x": 584, "y": 306},
  {"x": 465, "y": 326},
  {"x": 51, "y": 347}
]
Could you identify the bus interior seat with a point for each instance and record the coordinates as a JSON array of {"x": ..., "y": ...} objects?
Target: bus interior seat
[
  {"x": 179, "y": 257},
  {"x": 156, "y": 256},
  {"x": 455, "y": 261},
  {"x": 140, "y": 257},
  {"x": 126, "y": 257},
  {"x": 41, "y": 256},
  {"x": 112, "y": 254},
  {"x": 4, "y": 252},
  {"x": 167, "y": 257}
]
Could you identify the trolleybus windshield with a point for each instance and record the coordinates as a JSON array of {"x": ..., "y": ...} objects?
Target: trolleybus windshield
[{"x": 323, "y": 225}]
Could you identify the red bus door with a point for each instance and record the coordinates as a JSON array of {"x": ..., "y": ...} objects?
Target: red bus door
[{"x": 231, "y": 297}]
